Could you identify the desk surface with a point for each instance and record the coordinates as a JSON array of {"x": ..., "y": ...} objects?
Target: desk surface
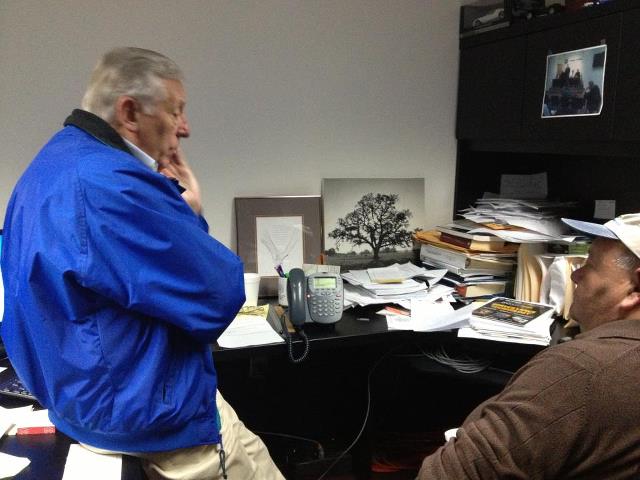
[
  {"x": 358, "y": 327},
  {"x": 362, "y": 327},
  {"x": 48, "y": 452}
]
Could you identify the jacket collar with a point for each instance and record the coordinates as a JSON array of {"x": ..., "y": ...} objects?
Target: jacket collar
[
  {"x": 97, "y": 128},
  {"x": 618, "y": 328},
  {"x": 105, "y": 133}
]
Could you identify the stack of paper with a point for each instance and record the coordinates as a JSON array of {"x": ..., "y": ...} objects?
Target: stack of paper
[
  {"x": 250, "y": 327},
  {"x": 509, "y": 320},
  {"x": 393, "y": 284},
  {"x": 526, "y": 220},
  {"x": 460, "y": 262}
]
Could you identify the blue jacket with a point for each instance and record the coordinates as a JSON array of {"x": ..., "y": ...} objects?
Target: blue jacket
[{"x": 113, "y": 292}]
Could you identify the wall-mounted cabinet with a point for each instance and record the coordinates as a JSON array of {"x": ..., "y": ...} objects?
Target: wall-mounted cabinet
[
  {"x": 503, "y": 80},
  {"x": 491, "y": 89},
  {"x": 501, "y": 129},
  {"x": 627, "y": 112}
]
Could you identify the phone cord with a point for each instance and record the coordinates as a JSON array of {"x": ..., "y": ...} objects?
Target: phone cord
[{"x": 305, "y": 353}]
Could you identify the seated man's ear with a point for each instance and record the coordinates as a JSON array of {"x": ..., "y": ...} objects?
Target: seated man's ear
[
  {"x": 127, "y": 111},
  {"x": 632, "y": 300}
]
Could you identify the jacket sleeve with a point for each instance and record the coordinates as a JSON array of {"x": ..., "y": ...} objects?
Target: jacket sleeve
[
  {"x": 144, "y": 249},
  {"x": 516, "y": 434}
]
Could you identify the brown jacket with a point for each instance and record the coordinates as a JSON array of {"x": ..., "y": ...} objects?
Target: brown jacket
[{"x": 572, "y": 412}]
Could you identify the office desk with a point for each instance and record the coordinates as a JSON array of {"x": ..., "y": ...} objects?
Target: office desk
[{"x": 324, "y": 397}]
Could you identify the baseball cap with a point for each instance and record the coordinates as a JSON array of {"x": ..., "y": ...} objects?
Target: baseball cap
[{"x": 625, "y": 228}]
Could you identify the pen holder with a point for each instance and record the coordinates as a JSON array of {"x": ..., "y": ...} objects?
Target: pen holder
[{"x": 282, "y": 291}]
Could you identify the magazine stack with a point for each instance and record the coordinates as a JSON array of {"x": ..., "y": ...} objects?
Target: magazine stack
[{"x": 509, "y": 320}]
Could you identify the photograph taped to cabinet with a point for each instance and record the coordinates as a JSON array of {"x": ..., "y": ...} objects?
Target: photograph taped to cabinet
[{"x": 574, "y": 83}]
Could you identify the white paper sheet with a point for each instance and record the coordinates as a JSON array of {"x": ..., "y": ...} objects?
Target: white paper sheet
[
  {"x": 6, "y": 422},
  {"x": 438, "y": 292},
  {"x": 9, "y": 417},
  {"x": 30, "y": 418},
  {"x": 102, "y": 467},
  {"x": 399, "y": 322},
  {"x": 468, "y": 332},
  {"x": 10, "y": 465},
  {"x": 432, "y": 317},
  {"x": 279, "y": 242},
  {"x": 247, "y": 330},
  {"x": 451, "y": 433}
]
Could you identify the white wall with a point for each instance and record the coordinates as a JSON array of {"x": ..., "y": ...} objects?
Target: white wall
[{"x": 281, "y": 92}]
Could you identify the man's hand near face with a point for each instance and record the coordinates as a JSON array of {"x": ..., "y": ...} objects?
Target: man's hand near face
[{"x": 178, "y": 168}]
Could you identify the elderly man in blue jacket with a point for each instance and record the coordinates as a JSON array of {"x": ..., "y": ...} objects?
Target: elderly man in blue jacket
[{"x": 113, "y": 287}]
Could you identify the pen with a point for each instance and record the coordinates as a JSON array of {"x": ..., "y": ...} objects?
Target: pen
[{"x": 280, "y": 271}]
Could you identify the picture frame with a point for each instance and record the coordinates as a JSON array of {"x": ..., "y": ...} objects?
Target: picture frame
[
  {"x": 574, "y": 83},
  {"x": 274, "y": 231},
  {"x": 368, "y": 222}
]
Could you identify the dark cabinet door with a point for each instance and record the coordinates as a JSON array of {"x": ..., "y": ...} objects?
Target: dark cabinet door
[
  {"x": 627, "y": 123},
  {"x": 570, "y": 38},
  {"x": 490, "y": 90}
]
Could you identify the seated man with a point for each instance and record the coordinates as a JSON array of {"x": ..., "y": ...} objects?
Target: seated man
[
  {"x": 571, "y": 412},
  {"x": 114, "y": 288}
]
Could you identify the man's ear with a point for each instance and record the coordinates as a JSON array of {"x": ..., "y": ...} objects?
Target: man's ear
[
  {"x": 127, "y": 112},
  {"x": 632, "y": 300}
]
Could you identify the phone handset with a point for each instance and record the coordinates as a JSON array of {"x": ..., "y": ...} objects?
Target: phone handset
[{"x": 297, "y": 299}]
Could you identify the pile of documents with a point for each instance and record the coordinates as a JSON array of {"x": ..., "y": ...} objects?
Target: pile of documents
[
  {"x": 541, "y": 276},
  {"x": 394, "y": 284},
  {"x": 510, "y": 320},
  {"x": 478, "y": 265},
  {"x": 250, "y": 327},
  {"x": 500, "y": 248},
  {"x": 427, "y": 315},
  {"x": 520, "y": 221}
]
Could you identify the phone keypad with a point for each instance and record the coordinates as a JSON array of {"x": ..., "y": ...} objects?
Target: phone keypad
[{"x": 325, "y": 303}]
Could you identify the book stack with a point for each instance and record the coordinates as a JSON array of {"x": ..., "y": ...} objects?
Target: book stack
[
  {"x": 478, "y": 265},
  {"x": 509, "y": 320}
]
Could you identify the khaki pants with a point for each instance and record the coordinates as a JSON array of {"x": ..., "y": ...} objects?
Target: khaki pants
[{"x": 247, "y": 457}]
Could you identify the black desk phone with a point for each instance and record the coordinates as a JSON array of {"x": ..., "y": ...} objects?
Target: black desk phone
[{"x": 317, "y": 298}]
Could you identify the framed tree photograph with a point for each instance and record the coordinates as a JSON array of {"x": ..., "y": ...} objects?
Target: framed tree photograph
[
  {"x": 276, "y": 234},
  {"x": 368, "y": 222}
]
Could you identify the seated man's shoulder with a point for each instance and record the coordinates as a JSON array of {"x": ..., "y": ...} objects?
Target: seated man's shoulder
[{"x": 607, "y": 344}]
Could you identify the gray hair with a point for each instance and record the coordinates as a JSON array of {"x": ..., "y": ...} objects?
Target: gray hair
[
  {"x": 627, "y": 260},
  {"x": 131, "y": 71}
]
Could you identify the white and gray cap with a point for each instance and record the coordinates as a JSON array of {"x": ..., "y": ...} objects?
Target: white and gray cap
[{"x": 625, "y": 228}]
